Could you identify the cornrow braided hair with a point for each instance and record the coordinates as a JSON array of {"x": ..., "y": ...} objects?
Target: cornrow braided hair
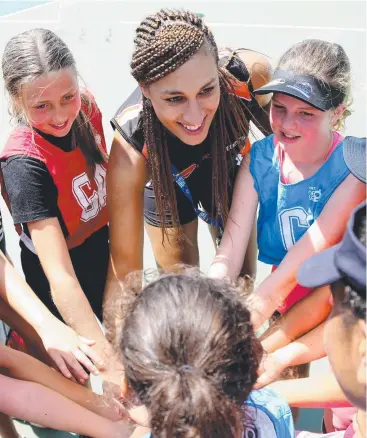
[
  {"x": 354, "y": 302},
  {"x": 165, "y": 41}
]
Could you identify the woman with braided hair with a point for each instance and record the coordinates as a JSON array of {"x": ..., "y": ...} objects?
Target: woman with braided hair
[{"x": 177, "y": 140}]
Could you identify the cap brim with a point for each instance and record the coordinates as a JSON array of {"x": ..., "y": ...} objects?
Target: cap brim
[
  {"x": 354, "y": 151},
  {"x": 319, "y": 269},
  {"x": 280, "y": 88}
]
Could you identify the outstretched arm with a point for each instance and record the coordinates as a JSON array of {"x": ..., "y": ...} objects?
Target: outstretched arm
[
  {"x": 230, "y": 255},
  {"x": 126, "y": 178},
  {"x": 306, "y": 349},
  {"x": 313, "y": 392},
  {"x": 66, "y": 291},
  {"x": 326, "y": 231},
  {"x": 65, "y": 347},
  {"x": 298, "y": 320},
  {"x": 24, "y": 367},
  {"x": 36, "y": 403}
]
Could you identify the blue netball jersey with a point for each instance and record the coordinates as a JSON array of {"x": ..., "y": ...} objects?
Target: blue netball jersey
[
  {"x": 288, "y": 210},
  {"x": 267, "y": 415}
]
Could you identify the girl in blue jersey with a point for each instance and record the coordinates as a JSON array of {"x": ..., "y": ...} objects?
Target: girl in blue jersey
[
  {"x": 297, "y": 176},
  {"x": 342, "y": 271},
  {"x": 191, "y": 356}
]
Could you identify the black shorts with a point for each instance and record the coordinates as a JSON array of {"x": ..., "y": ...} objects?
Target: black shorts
[
  {"x": 200, "y": 186},
  {"x": 90, "y": 261}
]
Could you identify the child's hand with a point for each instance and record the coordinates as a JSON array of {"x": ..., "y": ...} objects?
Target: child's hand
[
  {"x": 218, "y": 270},
  {"x": 70, "y": 351},
  {"x": 272, "y": 365},
  {"x": 139, "y": 415}
]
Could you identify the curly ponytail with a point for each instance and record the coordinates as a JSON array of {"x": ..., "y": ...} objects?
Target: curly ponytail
[
  {"x": 188, "y": 404},
  {"x": 191, "y": 355}
]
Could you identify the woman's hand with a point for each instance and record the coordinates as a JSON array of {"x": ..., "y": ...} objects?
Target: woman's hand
[
  {"x": 70, "y": 352},
  {"x": 230, "y": 255}
]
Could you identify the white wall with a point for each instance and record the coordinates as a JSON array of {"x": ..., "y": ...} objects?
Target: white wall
[{"x": 100, "y": 34}]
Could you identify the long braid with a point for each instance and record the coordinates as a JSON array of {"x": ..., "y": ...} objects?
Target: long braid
[
  {"x": 159, "y": 165},
  {"x": 165, "y": 41},
  {"x": 231, "y": 127}
]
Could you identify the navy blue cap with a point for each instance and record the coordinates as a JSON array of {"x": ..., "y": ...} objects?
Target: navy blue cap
[
  {"x": 315, "y": 92},
  {"x": 354, "y": 151},
  {"x": 345, "y": 261}
]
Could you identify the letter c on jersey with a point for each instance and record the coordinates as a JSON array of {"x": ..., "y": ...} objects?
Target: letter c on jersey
[{"x": 91, "y": 205}]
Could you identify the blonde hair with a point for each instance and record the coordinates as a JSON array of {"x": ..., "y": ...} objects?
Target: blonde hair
[{"x": 325, "y": 61}]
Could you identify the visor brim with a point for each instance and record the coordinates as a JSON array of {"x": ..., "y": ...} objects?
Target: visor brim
[
  {"x": 319, "y": 269},
  {"x": 355, "y": 156},
  {"x": 293, "y": 93}
]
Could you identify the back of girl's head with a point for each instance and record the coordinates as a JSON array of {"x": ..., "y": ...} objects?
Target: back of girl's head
[
  {"x": 30, "y": 55},
  {"x": 166, "y": 40},
  {"x": 191, "y": 355},
  {"x": 323, "y": 60}
]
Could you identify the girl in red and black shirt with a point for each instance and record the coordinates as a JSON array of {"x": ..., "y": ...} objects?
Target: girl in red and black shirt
[{"x": 53, "y": 168}]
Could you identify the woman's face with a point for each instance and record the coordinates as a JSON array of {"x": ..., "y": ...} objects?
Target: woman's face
[
  {"x": 52, "y": 101},
  {"x": 185, "y": 101}
]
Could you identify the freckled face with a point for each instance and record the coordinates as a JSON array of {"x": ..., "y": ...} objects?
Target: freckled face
[
  {"x": 185, "y": 101},
  {"x": 52, "y": 101}
]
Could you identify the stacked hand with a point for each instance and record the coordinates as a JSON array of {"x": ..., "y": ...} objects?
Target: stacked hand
[
  {"x": 70, "y": 352},
  {"x": 271, "y": 367}
]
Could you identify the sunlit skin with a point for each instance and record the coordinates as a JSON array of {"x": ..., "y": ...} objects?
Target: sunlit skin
[
  {"x": 187, "y": 108},
  {"x": 52, "y": 101},
  {"x": 303, "y": 133},
  {"x": 298, "y": 125},
  {"x": 345, "y": 345}
]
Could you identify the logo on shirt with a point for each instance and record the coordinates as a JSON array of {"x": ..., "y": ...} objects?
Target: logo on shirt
[
  {"x": 90, "y": 200},
  {"x": 236, "y": 144},
  {"x": 293, "y": 222},
  {"x": 314, "y": 194}
]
